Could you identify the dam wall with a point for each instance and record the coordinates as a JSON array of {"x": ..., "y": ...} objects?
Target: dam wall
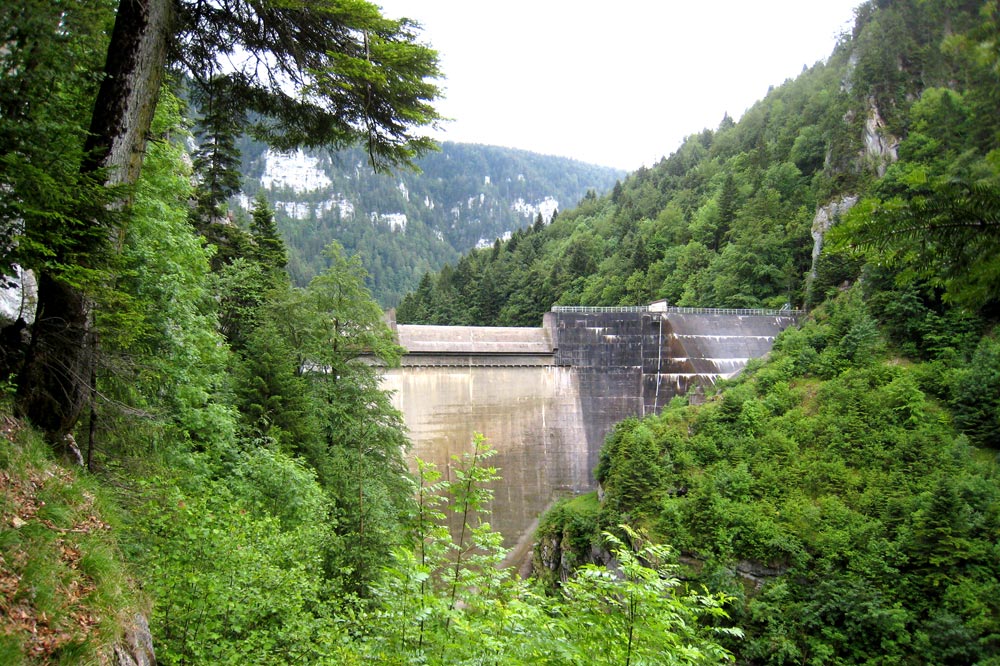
[
  {"x": 546, "y": 398},
  {"x": 531, "y": 415}
]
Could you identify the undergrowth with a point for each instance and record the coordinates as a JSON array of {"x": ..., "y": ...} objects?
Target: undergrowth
[{"x": 64, "y": 593}]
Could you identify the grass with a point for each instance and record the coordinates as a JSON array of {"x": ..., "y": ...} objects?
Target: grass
[
  {"x": 63, "y": 589},
  {"x": 585, "y": 504}
]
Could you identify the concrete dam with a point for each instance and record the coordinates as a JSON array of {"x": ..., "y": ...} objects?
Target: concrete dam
[{"x": 546, "y": 398}]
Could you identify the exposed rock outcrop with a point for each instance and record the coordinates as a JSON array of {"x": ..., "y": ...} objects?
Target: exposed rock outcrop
[
  {"x": 827, "y": 216},
  {"x": 880, "y": 147},
  {"x": 136, "y": 646},
  {"x": 758, "y": 573},
  {"x": 555, "y": 558}
]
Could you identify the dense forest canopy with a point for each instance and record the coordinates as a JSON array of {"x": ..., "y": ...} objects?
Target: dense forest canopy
[{"x": 243, "y": 482}]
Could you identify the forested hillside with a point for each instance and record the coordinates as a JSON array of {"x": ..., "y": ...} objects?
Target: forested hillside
[
  {"x": 734, "y": 217},
  {"x": 846, "y": 491},
  {"x": 405, "y": 223},
  {"x": 197, "y": 459}
]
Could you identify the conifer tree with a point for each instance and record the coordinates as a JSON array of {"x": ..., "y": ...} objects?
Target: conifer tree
[
  {"x": 268, "y": 247},
  {"x": 216, "y": 161},
  {"x": 307, "y": 73},
  {"x": 539, "y": 223}
]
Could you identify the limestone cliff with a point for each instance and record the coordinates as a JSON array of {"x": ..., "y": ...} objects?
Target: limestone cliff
[{"x": 827, "y": 216}]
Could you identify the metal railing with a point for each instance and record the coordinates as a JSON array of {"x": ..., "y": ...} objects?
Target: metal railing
[
  {"x": 585, "y": 309},
  {"x": 742, "y": 312}
]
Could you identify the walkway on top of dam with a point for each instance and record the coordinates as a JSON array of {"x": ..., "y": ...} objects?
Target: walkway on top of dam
[
  {"x": 474, "y": 345},
  {"x": 490, "y": 346},
  {"x": 660, "y": 306}
]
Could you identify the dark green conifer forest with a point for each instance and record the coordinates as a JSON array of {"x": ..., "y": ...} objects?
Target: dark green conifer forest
[{"x": 195, "y": 444}]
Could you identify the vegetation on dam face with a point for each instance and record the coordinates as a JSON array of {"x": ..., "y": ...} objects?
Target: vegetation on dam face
[{"x": 838, "y": 504}]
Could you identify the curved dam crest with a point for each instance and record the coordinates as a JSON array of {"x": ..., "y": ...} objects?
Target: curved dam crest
[{"x": 545, "y": 398}]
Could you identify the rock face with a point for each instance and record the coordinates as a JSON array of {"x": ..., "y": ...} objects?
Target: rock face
[
  {"x": 826, "y": 216},
  {"x": 551, "y": 556},
  {"x": 880, "y": 146},
  {"x": 880, "y": 149},
  {"x": 555, "y": 558},
  {"x": 757, "y": 573},
  {"x": 136, "y": 646}
]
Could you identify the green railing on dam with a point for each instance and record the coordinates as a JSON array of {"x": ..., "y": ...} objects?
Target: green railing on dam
[
  {"x": 585, "y": 309},
  {"x": 671, "y": 309}
]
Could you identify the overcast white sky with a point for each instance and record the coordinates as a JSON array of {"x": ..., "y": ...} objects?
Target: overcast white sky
[{"x": 614, "y": 83}]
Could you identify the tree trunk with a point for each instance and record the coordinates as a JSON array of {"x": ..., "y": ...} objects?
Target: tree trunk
[
  {"x": 52, "y": 386},
  {"x": 133, "y": 72},
  {"x": 54, "y": 382}
]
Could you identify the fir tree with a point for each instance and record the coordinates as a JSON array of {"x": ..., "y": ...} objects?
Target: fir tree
[
  {"x": 268, "y": 247},
  {"x": 217, "y": 162}
]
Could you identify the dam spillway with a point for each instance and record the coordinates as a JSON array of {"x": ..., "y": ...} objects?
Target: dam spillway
[{"x": 545, "y": 398}]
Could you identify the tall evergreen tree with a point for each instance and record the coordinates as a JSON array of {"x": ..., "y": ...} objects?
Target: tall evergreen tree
[
  {"x": 217, "y": 168},
  {"x": 310, "y": 73},
  {"x": 217, "y": 163},
  {"x": 268, "y": 247},
  {"x": 539, "y": 223}
]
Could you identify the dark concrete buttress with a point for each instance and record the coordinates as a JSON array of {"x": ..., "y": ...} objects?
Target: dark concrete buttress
[{"x": 633, "y": 361}]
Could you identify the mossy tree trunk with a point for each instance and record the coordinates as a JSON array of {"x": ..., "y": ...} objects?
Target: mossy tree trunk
[{"x": 53, "y": 385}]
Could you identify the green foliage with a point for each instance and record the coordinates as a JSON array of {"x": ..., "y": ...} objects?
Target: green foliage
[
  {"x": 241, "y": 289},
  {"x": 47, "y": 206},
  {"x": 470, "y": 497},
  {"x": 975, "y": 394},
  {"x": 358, "y": 77},
  {"x": 635, "y": 615},
  {"x": 230, "y": 583},
  {"x": 630, "y": 466},
  {"x": 934, "y": 214},
  {"x": 942, "y": 231},
  {"x": 571, "y": 529},
  {"x": 830, "y": 492},
  {"x": 162, "y": 362},
  {"x": 462, "y": 608},
  {"x": 326, "y": 75},
  {"x": 269, "y": 249},
  {"x": 66, "y": 592},
  {"x": 216, "y": 161}
]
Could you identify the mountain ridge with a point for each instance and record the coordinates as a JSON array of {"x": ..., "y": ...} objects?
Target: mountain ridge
[{"x": 407, "y": 223}]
